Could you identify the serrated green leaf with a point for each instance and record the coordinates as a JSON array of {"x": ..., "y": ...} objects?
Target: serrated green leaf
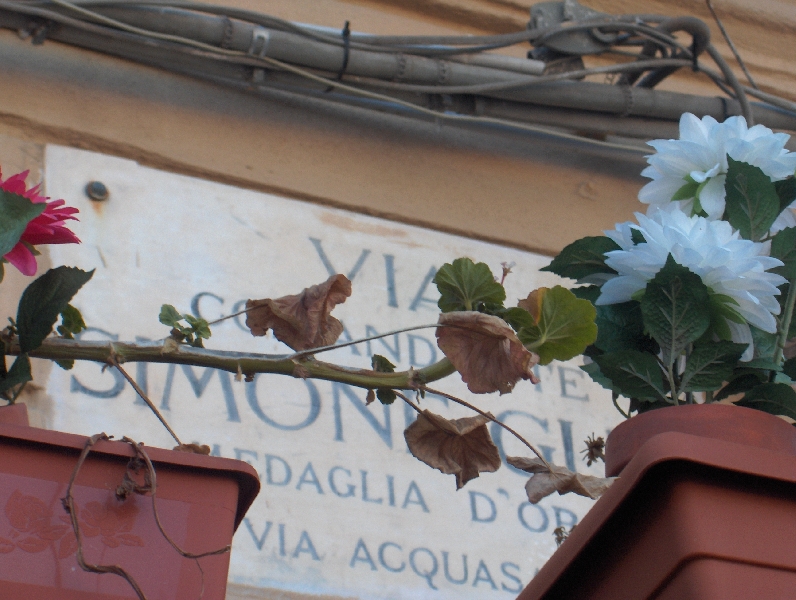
[
  {"x": 17, "y": 212},
  {"x": 386, "y": 395},
  {"x": 169, "y": 315},
  {"x": 199, "y": 326},
  {"x": 773, "y": 398},
  {"x": 783, "y": 247},
  {"x": 583, "y": 257},
  {"x": 566, "y": 326},
  {"x": 65, "y": 364},
  {"x": 17, "y": 374},
  {"x": 751, "y": 199},
  {"x": 44, "y": 300},
  {"x": 592, "y": 369},
  {"x": 738, "y": 385},
  {"x": 634, "y": 374},
  {"x": 71, "y": 322},
  {"x": 710, "y": 365},
  {"x": 786, "y": 190},
  {"x": 465, "y": 285},
  {"x": 621, "y": 327},
  {"x": 380, "y": 364},
  {"x": 675, "y": 309},
  {"x": 789, "y": 368}
]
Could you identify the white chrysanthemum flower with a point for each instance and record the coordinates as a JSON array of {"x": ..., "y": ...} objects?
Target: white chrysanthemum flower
[
  {"x": 726, "y": 263},
  {"x": 699, "y": 158}
]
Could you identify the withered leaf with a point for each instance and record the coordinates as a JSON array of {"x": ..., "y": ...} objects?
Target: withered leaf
[
  {"x": 543, "y": 483},
  {"x": 533, "y": 303},
  {"x": 301, "y": 321},
  {"x": 485, "y": 350},
  {"x": 193, "y": 448},
  {"x": 460, "y": 447}
]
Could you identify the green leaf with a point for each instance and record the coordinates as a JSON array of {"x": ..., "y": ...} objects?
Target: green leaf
[
  {"x": 751, "y": 199},
  {"x": 675, "y": 308},
  {"x": 593, "y": 371},
  {"x": 765, "y": 343},
  {"x": 380, "y": 364},
  {"x": 783, "y": 247},
  {"x": 583, "y": 257},
  {"x": 169, "y": 315},
  {"x": 621, "y": 327},
  {"x": 198, "y": 326},
  {"x": 71, "y": 323},
  {"x": 773, "y": 398},
  {"x": 465, "y": 285},
  {"x": 710, "y": 365},
  {"x": 688, "y": 191},
  {"x": 786, "y": 190},
  {"x": 789, "y": 368},
  {"x": 45, "y": 299},
  {"x": 17, "y": 212},
  {"x": 634, "y": 374},
  {"x": 18, "y": 373},
  {"x": 637, "y": 237},
  {"x": 516, "y": 317},
  {"x": 386, "y": 395},
  {"x": 738, "y": 385},
  {"x": 65, "y": 364},
  {"x": 566, "y": 326}
]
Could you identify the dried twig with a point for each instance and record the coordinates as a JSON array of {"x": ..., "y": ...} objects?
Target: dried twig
[
  {"x": 69, "y": 506},
  {"x": 143, "y": 396}
]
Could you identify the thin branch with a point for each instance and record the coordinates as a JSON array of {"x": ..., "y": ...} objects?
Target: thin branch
[
  {"x": 787, "y": 316},
  {"x": 731, "y": 45},
  {"x": 318, "y": 350},
  {"x": 491, "y": 418},
  {"x": 143, "y": 396},
  {"x": 234, "y": 362},
  {"x": 408, "y": 401}
]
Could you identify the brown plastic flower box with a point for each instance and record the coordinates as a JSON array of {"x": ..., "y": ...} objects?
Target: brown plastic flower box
[
  {"x": 690, "y": 518},
  {"x": 201, "y": 500}
]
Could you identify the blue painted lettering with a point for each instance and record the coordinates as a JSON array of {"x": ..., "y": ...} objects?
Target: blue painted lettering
[{"x": 488, "y": 511}]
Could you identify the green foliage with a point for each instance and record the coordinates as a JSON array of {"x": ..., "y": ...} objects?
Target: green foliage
[
  {"x": 740, "y": 383},
  {"x": 17, "y": 212},
  {"x": 592, "y": 369},
  {"x": 789, "y": 368},
  {"x": 675, "y": 309},
  {"x": 516, "y": 317},
  {"x": 634, "y": 374},
  {"x": 44, "y": 300},
  {"x": 751, "y": 199},
  {"x": 71, "y": 322},
  {"x": 17, "y": 374},
  {"x": 583, "y": 258},
  {"x": 783, "y": 247},
  {"x": 381, "y": 364},
  {"x": 709, "y": 365},
  {"x": 465, "y": 285},
  {"x": 565, "y": 327},
  {"x": 773, "y": 398},
  {"x": 786, "y": 190},
  {"x": 192, "y": 334}
]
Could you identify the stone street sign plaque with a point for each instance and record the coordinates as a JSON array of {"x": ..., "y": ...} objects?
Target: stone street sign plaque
[{"x": 344, "y": 508}]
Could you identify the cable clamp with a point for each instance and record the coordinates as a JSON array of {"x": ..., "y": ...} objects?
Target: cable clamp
[{"x": 260, "y": 37}]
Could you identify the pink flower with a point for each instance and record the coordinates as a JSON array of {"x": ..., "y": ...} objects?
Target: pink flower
[{"x": 47, "y": 228}]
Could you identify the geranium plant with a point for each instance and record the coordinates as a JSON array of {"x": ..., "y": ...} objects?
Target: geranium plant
[{"x": 695, "y": 299}]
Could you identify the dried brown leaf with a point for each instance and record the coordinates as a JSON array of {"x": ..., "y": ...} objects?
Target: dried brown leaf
[
  {"x": 543, "y": 483},
  {"x": 460, "y": 447},
  {"x": 370, "y": 398},
  {"x": 301, "y": 321},
  {"x": 485, "y": 350},
  {"x": 193, "y": 448}
]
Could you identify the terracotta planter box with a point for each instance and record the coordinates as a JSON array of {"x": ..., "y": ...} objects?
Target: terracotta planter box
[
  {"x": 691, "y": 517},
  {"x": 201, "y": 500}
]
